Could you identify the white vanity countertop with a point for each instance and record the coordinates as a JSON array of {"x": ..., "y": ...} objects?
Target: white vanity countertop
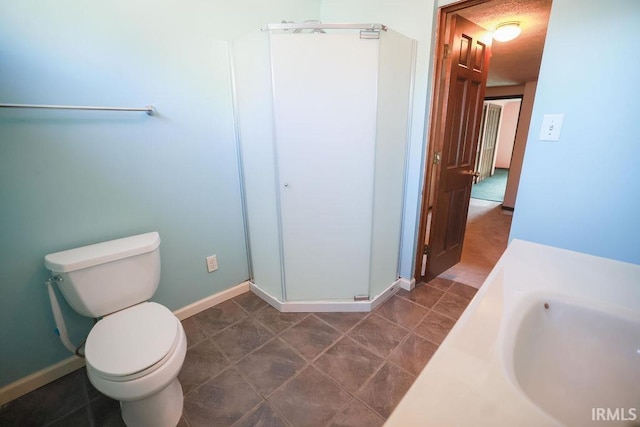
[{"x": 465, "y": 383}]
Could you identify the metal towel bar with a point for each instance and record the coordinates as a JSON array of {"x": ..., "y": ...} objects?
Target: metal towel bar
[{"x": 148, "y": 109}]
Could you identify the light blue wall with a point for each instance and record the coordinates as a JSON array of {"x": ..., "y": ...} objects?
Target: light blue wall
[
  {"x": 73, "y": 178},
  {"x": 582, "y": 193}
]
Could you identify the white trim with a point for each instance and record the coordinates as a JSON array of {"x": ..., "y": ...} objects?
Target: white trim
[
  {"x": 210, "y": 301},
  {"x": 272, "y": 301},
  {"x": 51, "y": 373},
  {"x": 385, "y": 295},
  {"x": 38, "y": 379},
  {"x": 325, "y": 306},
  {"x": 406, "y": 284}
]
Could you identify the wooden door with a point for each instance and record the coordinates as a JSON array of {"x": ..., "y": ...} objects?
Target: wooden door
[{"x": 466, "y": 65}]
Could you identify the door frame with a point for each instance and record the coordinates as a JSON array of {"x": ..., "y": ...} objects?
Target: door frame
[
  {"x": 503, "y": 98},
  {"x": 431, "y": 179}
]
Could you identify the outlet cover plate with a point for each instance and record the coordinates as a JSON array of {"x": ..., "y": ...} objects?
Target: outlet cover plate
[{"x": 212, "y": 263}]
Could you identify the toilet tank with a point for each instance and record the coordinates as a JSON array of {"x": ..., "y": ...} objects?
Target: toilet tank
[{"x": 100, "y": 279}]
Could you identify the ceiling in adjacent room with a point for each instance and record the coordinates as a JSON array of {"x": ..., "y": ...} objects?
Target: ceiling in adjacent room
[{"x": 517, "y": 61}]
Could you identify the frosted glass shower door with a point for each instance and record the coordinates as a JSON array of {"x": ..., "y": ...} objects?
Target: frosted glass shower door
[
  {"x": 254, "y": 118},
  {"x": 394, "y": 96},
  {"x": 325, "y": 110}
]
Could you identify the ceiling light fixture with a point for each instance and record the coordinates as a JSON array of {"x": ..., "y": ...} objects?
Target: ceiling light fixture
[{"x": 507, "y": 31}]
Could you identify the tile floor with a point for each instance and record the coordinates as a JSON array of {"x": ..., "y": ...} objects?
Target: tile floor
[
  {"x": 485, "y": 240},
  {"x": 248, "y": 364}
]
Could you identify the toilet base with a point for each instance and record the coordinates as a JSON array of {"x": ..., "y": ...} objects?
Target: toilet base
[{"x": 162, "y": 409}]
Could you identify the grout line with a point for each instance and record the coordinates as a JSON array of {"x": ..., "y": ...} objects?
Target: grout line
[
  {"x": 276, "y": 333},
  {"x": 85, "y": 380},
  {"x": 250, "y": 411},
  {"x": 185, "y": 416},
  {"x": 339, "y": 411},
  {"x": 351, "y": 327},
  {"x": 262, "y": 395}
]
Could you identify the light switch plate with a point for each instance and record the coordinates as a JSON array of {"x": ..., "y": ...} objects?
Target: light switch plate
[{"x": 551, "y": 127}]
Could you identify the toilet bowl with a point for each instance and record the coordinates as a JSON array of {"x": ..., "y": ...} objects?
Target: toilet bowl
[
  {"x": 134, "y": 353},
  {"x": 134, "y": 356}
]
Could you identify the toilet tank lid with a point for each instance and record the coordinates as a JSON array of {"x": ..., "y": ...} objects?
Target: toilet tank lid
[{"x": 100, "y": 253}]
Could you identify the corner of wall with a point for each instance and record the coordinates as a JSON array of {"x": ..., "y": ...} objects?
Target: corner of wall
[{"x": 520, "y": 144}]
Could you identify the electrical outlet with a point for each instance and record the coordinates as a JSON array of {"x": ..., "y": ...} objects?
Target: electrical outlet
[{"x": 212, "y": 263}]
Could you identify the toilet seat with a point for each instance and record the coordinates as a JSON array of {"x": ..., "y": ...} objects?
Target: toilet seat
[{"x": 133, "y": 342}]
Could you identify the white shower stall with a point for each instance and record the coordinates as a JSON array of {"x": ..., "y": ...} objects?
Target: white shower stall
[{"x": 322, "y": 116}]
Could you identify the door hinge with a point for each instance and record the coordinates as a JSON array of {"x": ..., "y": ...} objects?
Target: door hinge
[
  {"x": 437, "y": 158},
  {"x": 361, "y": 297},
  {"x": 426, "y": 250},
  {"x": 446, "y": 51}
]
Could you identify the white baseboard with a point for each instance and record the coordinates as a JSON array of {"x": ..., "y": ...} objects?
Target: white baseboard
[
  {"x": 406, "y": 284},
  {"x": 210, "y": 301},
  {"x": 385, "y": 295},
  {"x": 325, "y": 306},
  {"x": 38, "y": 379},
  {"x": 51, "y": 373}
]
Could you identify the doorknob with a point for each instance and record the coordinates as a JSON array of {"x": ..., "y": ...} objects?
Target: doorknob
[{"x": 472, "y": 173}]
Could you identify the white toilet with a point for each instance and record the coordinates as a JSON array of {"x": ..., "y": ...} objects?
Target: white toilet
[{"x": 135, "y": 352}]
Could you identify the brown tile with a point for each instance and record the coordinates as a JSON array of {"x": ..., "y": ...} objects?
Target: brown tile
[
  {"x": 277, "y": 321},
  {"x": 378, "y": 335},
  {"x": 402, "y": 293},
  {"x": 440, "y": 283},
  {"x": 386, "y": 388},
  {"x": 106, "y": 413},
  {"x": 79, "y": 417},
  {"x": 425, "y": 295},
  {"x": 356, "y": 414},
  {"x": 413, "y": 354},
  {"x": 242, "y": 338},
  {"x": 348, "y": 363},
  {"x": 310, "y": 337},
  {"x": 250, "y": 301},
  {"x": 451, "y": 305},
  {"x": 271, "y": 365},
  {"x": 91, "y": 390},
  {"x": 218, "y": 317},
  {"x": 47, "y": 403},
  {"x": 402, "y": 312},
  {"x": 203, "y": 362},
  {"x": 435, "y": 327},
  {"x": 310, "y": 399},
  {"x": 221, "y": 401},
  {"x": 486, "y": 238},
  {"x": 462, "y": 290},
  {"x": 342, "y": 321},
  {"x": 193, "y": 331},
  {"x": 262, "y": 416}
]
